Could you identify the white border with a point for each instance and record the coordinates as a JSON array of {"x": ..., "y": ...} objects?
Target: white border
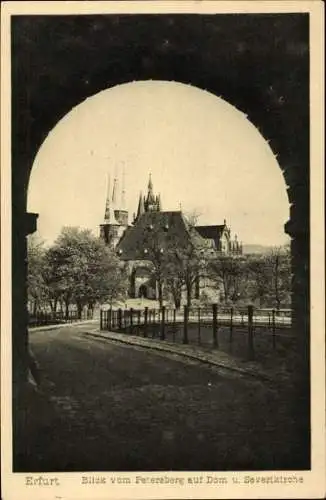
[{"x": 313, "y": 485}]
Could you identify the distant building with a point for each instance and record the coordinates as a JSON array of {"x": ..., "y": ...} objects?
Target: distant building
[{"x": 134, "y": 242}]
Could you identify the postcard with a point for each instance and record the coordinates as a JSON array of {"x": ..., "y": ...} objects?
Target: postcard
[{"x": 162, "y": 250}]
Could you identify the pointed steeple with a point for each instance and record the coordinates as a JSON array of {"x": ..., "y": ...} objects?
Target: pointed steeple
[
  {"x": 107, "y": 201},
  {"x": 109, "y": 216},
  {"x": 150, "y": 195},
  {"x": 158, "y": 202},
  {"x": 141, "y": 207},
  {"x": 150, "y": 184},
  {"x": 151, "y": 202},
  {"x": 123, "y": 191},
  {"x": 115, "y": 193}
]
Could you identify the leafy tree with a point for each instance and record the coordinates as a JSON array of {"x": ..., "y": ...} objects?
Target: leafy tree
[
  {"x": 36, "y": 286},
  {"x": 82, "y": 270},
  {"x": 52, "y": 277},
  {"x": 115, "y": 284}
]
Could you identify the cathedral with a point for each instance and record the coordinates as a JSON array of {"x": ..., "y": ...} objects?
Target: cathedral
[{"x": 153, "y": 231}]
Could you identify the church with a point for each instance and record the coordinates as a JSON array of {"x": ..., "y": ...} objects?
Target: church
[{"x": 151, "y": 235}]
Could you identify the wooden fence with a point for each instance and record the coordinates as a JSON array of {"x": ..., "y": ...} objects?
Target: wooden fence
[
  {"x": 240, "y": 330},
  {"x": 52, "y": 318}
]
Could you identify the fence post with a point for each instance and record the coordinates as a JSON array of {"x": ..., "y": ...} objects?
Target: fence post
[
  {"x": 199, "y": 338},
  {"x": 119, "y": 319},
  {"x": 185, "y": 325},
  {"x": 124, "y": 319},
  {"x": 163, "y": 323},
  {"x": 145, "y": 321},
  {"x": 251, "y": 352},
  {"x": 149, "y": 317},
  {"x": 174, "y": 324},
  {"x": 153, "y": 322},
  {"x": 231, "y": 325},
  {"x": 215, "y": 327},
  {"x": 101, "y": 319},
  {"x": 273, "y": 328},
  {"x": 131, "y": 311},
  {"x": 109, "y": 325},
  {"x": 138, "y": 321}
]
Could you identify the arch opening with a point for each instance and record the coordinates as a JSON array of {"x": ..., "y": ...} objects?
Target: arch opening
[
  {"x": 203, "y": 153},
  {"x": 240, "y": 185}
]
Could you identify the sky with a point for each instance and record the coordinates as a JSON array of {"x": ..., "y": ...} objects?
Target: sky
[{"x": 203, "y": 155}]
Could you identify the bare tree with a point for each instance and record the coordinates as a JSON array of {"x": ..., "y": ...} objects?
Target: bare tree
[
  {"x": 231, "y": 273},
  {"x": 258, "y": 279},
  {"x": 186, "y": 267},
  {"x": 278, "y": 262},
  {"x": 193, "y": 217},
  {"x": 269, "y": 277},
  {"x": 177, "y": 261},
  {"x": 154, "y": 248}
]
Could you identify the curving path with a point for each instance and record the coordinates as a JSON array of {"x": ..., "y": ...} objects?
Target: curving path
[{"x": 124, "y": 408}]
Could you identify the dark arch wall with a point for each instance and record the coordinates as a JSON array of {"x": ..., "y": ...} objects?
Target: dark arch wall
[{"x": 257, "y": 62}]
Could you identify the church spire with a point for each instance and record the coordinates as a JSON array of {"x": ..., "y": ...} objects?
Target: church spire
[
  {"x": 150, "y": 184},
  {"x": 107, "y": 201},
  {"x": 141, "y": 208},
  {"x": 151, "y": 202},
  {"x": 115, "y": 192},
  {"x": 158, "y": 201},
  {"x": 123, "y": 190},
  {"x": 109, "y": 216}
]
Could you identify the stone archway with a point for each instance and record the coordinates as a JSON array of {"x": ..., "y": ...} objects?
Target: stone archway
[
  {"x": 72, "y": 68},
  {"x": 143, "y": 292},
  {"x": 142, "y": 281}
]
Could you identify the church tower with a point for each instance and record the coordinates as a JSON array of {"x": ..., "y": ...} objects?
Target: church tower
[
  {"x": 116, "y": 215},
  {"x": 141, "y": 206},
  {"x": 121, "y": 213},
  {"x": 152, "y": 203},
  {"x": 149, "y": 203}
]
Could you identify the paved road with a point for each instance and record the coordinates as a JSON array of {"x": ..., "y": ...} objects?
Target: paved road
[{"x": 125, "y": 408}]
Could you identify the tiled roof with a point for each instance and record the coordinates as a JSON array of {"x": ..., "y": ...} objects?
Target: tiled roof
[
  {"x": 168, "y": 229},
  {"x": 211, "y": 232}
]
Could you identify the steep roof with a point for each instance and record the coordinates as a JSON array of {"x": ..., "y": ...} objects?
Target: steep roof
[
  {"x": 165, "y": 229},
  {"x": 211, "y": 232}
]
